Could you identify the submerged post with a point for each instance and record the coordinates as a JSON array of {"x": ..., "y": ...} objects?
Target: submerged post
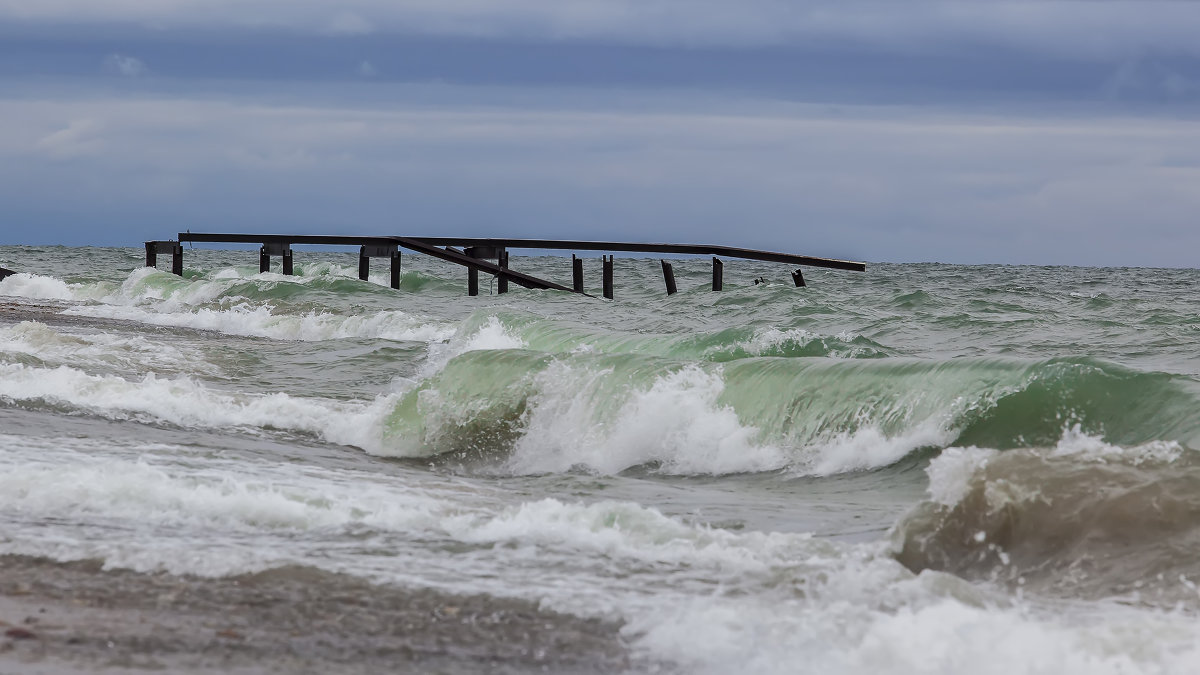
[
  {"x": 718, "y": 274},
  {"x": 151, "y": 254},
  {"x": 798, "y": 277},
  {"x": 288, "y": 269},
  {"x": 177, "y": 260},
  {"x": 264, "y": 259},
  {"x": 576, "y": 273},
  {"x": 395, "y": 269},
  {"x": 608, "y": 276},
  {"x": 472, "y": 281},
  {"x": 364, "y": 264},
  {"x": 502, "y": 281},
  {"x": 669, "y": 277}
]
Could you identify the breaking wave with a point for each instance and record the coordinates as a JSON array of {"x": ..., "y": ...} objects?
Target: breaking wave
[{"x": 1082, "y": 518}]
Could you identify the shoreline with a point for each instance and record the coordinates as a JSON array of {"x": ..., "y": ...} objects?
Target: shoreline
[{"x": 76, "y": 617}]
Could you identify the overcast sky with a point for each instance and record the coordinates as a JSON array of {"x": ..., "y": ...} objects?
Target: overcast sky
[{"x": 1054, "y": 132}]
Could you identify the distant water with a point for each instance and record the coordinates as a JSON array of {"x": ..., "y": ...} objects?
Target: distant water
[{"x": 918, "y": 469}]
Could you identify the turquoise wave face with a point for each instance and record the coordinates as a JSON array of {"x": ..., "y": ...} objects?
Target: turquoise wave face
[
  {"x": 809, "y": 415},
  {"x": 853, "y": 373}
]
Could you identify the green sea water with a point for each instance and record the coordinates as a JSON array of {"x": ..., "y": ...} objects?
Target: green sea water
[{"x": 908, "y": 469}]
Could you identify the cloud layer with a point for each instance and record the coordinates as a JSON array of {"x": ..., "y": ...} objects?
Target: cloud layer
[
  {"x": 1089, "y": 29},
  {"x": 967, "y": 131},
  {"x": 884, "y": 184}
]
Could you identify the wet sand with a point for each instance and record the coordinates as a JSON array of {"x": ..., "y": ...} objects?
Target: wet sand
[{"x": 78, "y": 618}]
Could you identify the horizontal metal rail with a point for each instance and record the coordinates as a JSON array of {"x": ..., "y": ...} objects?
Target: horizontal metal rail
[
  {"x": 548, "y": 244},
  {"x": 475, "y": 263}
]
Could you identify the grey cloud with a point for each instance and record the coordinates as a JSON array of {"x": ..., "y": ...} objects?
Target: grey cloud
[
  {"x": 1106, "y": 30},
  {"x": 877, "y": 183},
  {"x": 126, "y": 66}
]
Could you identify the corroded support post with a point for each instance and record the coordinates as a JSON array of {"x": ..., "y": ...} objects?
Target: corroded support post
[
  {"x": 151, "y": 254},
  {"x": 177, "y": 260},
  {"x": 395, "y": 269},
  {"x": 798, "y": 277},
  {"x": 264, "y": 259},
  {"x": 501, "y": 280},
  {"x": 669, "y": 277},
  {"x": 364, "y": 264},
  {"x": 608, "y": 276},
  {"x": 718, "y": 274},
  {"x": 576, "y": 273}
]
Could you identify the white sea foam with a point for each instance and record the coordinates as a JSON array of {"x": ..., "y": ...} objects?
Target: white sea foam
[
  {"x": 702, "y": 599},
  {"x": 934, "y": 636},
  {"x": 24, "y": 285},
  {"x": 951, "y": 472},
  {"x": 770, "y": 340},
  {"x": 154, "y": 486},
  {"x": 262, "y": 321},
  {"x": 156, "y": 298},
  {"x": 185, "y": 401},
  {"x": 869, "y": 448},
  {"x": 491, "y": 334},
  {"x": 97, "y": 349},
  {"x": 680, "y": 423},
  {"x": 1077, "y": 444},
  {"x": 677, "y": 421}
]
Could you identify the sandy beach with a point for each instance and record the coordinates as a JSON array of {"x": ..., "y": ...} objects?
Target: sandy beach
[{"x": 77, "y": 617}]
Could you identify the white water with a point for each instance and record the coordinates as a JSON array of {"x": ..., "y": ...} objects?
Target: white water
[
  {"x": 123, "y": 444},
  {"x": 709, "y": 600}
]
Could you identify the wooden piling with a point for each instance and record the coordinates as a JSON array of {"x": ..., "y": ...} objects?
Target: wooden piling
[
  {"x": 288, "y": 269},
  {"x": 364, "y": 264},
  {"x": 502, "y": 281},
  {"x": 576, "y": 273},
  {"x": 608, "y": 276},
  {"x": 151, "y": 254},
  {"x": 472, "y": 281},
  {"x": 264, "y": 259},
  {"x": 718, "y": 274},
  {"x": 395, "y": 269},
  {"x": 177, "y": 260},
  {"x": 798, "y": 277},
  {"x": 669, "y": 277}
]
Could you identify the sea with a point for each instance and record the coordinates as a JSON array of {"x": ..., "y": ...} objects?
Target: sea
[{"x": 919, "y": 468}]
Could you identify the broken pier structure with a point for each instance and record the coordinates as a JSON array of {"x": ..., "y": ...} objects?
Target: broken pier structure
[{"x": 477, "y": 254}]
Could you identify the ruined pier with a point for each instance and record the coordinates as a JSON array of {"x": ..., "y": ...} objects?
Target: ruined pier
[{"x": 476, "y": 254}]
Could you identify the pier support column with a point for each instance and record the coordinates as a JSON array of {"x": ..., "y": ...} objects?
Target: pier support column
[
  {"x": 608, "y": 276},
  {"x": 669, "y": 277},
  {"x": 798, "y": 277},
  {"x": 288, "y": 269},
  {"x": 177, "y": 260},
  {"x": 395, "y": 269},
  {"x": 264, "y": 259},
  {"x": 364, "y": 264},
  {"x": 472, "y": 281},
  {"x": 502, "y": 281},
  {"x": 718, "y": 274},
  {"x": 576, "y": 273},
  {"x": 478, "y": 252},
  {"x": 151, "y": 254}
]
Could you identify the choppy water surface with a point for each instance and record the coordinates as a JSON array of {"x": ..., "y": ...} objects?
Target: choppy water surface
[{"x": 923, "y": 468}]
